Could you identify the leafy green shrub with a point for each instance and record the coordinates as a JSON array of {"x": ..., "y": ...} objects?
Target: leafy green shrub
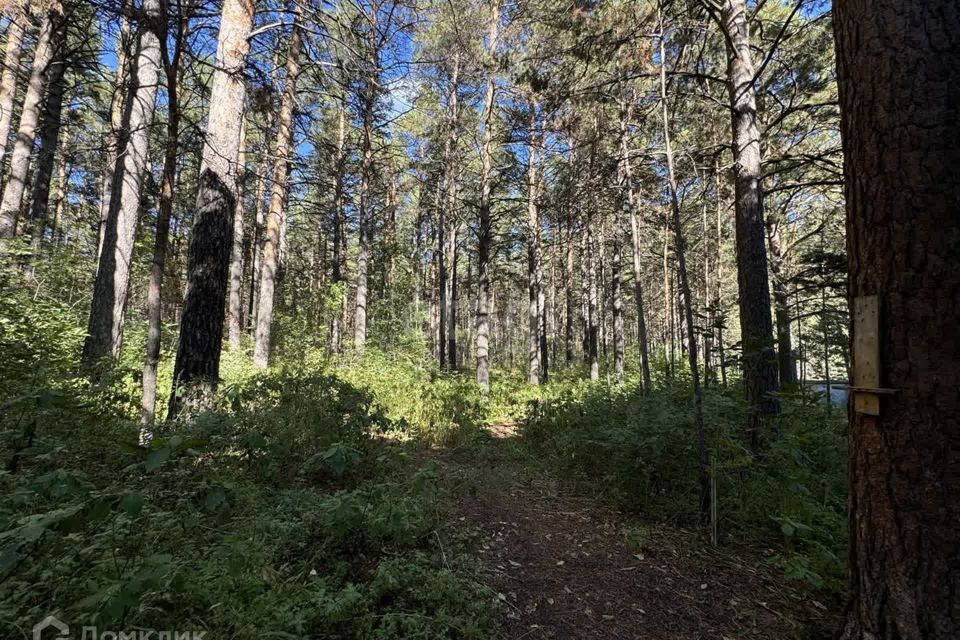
[
  {"x": 640, "y": 450},
  {"x": 433, "y": 408},
  {"x": 278, "y": 512}
]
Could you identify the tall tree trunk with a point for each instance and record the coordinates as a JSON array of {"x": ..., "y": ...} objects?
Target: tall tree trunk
[
  {"x": 719, "y": 315},
  {"x": 669, "y": 333},
  {"x": 235, "y": 300},
  {"x": 626, "y": 169},
  {"x": 585, "y": 279},
  {"x": 569, "y": 291},
  {"x": 453, "y": 298},
  {"x": 113, "y": 141},
  {"x": 260, "y": 195},
  {"x": 63, "y": 188},
  {"x": 148, "y": 403},
  {"x": 278, "y": 195},
  {"x": 49, "y": 41},
  {"x": 452, "y": 219},
  {"x": 899, "y": 79},
  {"x": 440, "y": 257},
  {"x": 368, "y": 104},
  {"x": 592, "y": 258},
  {"x": 105, "y": 325},
  {"x": 781, "y": 305},
  {"x": 49, "y": 144},
  {"x": 616, "y": 267},
  {"x": 703, "y": 449},
  {"x": 17, "y": 29},
  {"x": 533, "y": 253},
  {"x": 756, "y": 327},
  {"x": 484, "y": 234},
  {"x": 339, "y": 227},
  {"x": 197, "y": 369}
]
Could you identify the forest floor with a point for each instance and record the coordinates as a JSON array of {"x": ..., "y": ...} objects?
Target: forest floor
[{"x": 564, "y": 566}]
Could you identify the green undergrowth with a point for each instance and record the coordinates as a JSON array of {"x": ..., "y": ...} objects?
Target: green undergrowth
[
  {"x": 288, "y": 511},
  {"x": 297, "y": 506},
  {"x": 640, "y": 452}
]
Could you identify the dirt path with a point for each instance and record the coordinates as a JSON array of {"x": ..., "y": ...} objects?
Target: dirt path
[{"x": 563, "y": 567}]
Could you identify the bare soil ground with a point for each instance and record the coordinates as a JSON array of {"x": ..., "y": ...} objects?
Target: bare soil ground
[{"x": 563, "y": 566}]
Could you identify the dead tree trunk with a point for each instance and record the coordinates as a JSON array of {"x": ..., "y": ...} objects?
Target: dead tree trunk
[
  {"x": 197, "y": 369},
  {"x": 899, "y": 78}
]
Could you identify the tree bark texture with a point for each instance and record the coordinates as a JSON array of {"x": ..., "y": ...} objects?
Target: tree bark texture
[
  {"x": 630, "y": 202},
  {"x": 197, "y": 368},
  {"x": 113, "y": 142},
  {"x": 19, "y": 25},
  {"x": 50, "y": 39},
  {"x": 533, "y": 254},
  {"x": 756, "y": 326},
  {"x": 50, "y": 126},
  {"x": 235, "y": 299},
  {"x": 278, "y": 194},
  {"x": 899, "y": 80},
  {"x": 339, "y": 229},
  {"x": 148, "y": 405},
  {"x": 368, "y": 105},
  {"x": 484, "y": 231},
  {"x": 105, "y": 325}
]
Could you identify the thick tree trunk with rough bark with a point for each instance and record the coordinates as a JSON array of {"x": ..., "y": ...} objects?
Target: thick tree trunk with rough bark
[
  {"x": 756, "y": 326},
  {"x": 197, "y": 369},
  {"x": 105, "y": 325},
  {"x": 17, "y": 29},
  {"x": 484, "y": 231},
  {"x": 49, "y": 40},
  {"x": 278, "y": 194},
  {"x": 899, "y": 79}
]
